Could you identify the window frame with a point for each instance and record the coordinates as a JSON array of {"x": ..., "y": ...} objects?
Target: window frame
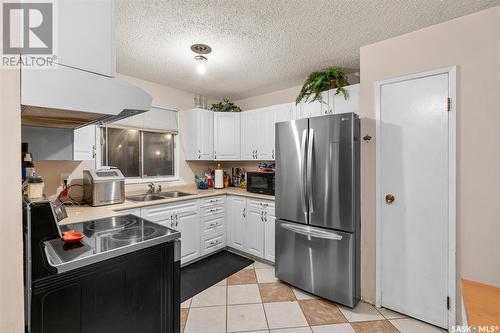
[{"x": 141, "y": 179}]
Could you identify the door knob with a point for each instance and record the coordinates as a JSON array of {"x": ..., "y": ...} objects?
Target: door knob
[{"x": 389, "y": 198}]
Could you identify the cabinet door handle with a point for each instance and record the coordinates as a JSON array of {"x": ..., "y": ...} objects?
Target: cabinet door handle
[
  {"x": 244, "y": 212},
  {"x": 273, "y": 154},
  {"x": 171, "y": 221},
  {"x": 262, "y": 216}
]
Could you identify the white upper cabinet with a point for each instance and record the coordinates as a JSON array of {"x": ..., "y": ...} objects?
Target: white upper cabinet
[
  {"x": 256, "y": 134},
  {"x": 331, "y": 103},
  {"x": 313, "y": 109},
  {"x": 84, "y": 143},
  {"x": 227, "y": 136},
  {"x": 280, "y": 113},
  {"x": 258, "y": 130},
  {"x": 86, "y": 35},
  {"x": 351, "y": 104},
  {"x": 249, "y": 126},
  {"x": 198, "y": 134},
  {"x": 265, "y": 134}
]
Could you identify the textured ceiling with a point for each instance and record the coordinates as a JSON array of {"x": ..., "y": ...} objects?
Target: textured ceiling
[{"x": 262, "y": 45}]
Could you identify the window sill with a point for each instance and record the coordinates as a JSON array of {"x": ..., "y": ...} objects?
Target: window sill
[{"x": 151, "y": 180}]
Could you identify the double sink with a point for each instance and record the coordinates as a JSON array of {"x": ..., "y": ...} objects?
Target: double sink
[{"x": 158, "y": 196}]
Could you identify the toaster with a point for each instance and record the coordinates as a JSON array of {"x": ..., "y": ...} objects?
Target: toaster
[{"x": 103, "y": 187}]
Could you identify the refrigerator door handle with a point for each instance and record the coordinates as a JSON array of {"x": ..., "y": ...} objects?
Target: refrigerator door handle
[
  {"x": 309, "y": 171},
  {"x": 303, "y": 169},
  {"x": 312, "y": 232}
]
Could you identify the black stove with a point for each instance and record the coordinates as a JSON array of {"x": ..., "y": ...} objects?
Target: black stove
[
  {"x": 104, "y": 239},
  {"x": 124, "y": 276}
]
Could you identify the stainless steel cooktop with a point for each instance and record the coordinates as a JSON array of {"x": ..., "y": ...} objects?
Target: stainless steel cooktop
[{"x": 104, "y": 239}]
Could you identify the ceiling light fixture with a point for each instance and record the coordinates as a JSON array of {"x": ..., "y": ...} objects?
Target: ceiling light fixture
[
  {"x": 200, "y": 49},
  {"x": 201, "y": 68}
]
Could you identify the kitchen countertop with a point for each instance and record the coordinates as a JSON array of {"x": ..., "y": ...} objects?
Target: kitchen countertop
[{"x": 85, "y": 213}]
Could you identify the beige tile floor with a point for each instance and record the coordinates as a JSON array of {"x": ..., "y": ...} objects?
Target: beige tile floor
[{"x": 254, "y": 301}]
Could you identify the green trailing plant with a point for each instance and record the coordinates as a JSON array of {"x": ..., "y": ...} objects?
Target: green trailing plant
[
  {"x": 225, "y": 106},
  {"x": 317, "y": 82}
]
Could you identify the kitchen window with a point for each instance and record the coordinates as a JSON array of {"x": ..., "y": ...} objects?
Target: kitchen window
[{"x": 139, "y": 153}]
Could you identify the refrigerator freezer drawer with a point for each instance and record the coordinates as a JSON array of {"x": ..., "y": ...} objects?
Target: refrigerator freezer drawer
[{"x": 319, "y": 261}]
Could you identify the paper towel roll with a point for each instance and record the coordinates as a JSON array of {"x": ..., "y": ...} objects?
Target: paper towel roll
[{"x": 219, "y": 179}]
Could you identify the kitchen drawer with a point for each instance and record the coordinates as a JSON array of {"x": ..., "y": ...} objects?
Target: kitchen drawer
[
  {"x": 213, "y": 225},
  {"x": 213, "y": 243},
  {"x": 212, "y": 201},
  {"x": 264, "y": 204},
  {"x": 211, "y": 211},
  {"x": 163, "y": 212}
]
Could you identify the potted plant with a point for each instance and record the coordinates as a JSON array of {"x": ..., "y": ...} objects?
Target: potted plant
[
  {"x": 317, "y": 82},
  {"x": 225, "y": 106}
]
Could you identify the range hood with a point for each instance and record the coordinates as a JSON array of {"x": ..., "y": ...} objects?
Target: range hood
[{"x": 70, "y": 98}]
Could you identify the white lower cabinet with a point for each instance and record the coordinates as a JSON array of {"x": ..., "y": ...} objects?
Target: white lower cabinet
[
  {"x": 254, "y": 235},
  {"x": 269, "y": 222},
  {"x": 187, "y": 224},
  {"x": 182, "y": 217},
  {"x": 251, "y": 226},
  {"x": 212, "y": 243},
  {"x": 211, "y": 224},
  {"x": 236, "y": 222}
]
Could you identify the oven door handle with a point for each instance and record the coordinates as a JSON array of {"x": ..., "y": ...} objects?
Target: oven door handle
[{"x": 312, "y": 232}]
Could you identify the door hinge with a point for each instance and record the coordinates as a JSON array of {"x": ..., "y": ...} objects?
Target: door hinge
[
  {"x": 448, "y": 104},
  {"x": 448, "y": 306}
]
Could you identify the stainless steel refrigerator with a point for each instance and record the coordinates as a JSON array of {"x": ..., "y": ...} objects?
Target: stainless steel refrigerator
[{"x": 317, "y": 206}]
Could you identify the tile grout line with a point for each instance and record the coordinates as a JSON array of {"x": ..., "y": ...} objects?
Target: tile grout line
[{"x": 262, "y": 302}]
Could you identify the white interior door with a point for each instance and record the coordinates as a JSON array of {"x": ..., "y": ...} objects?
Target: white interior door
[{"x": 414, "y": 169}]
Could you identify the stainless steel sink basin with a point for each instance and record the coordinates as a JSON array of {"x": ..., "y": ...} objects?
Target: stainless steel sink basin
[
  {"x": 173, "y": 194},
  {"x": 145, "y": 197}
]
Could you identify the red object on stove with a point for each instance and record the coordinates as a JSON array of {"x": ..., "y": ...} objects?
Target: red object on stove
[{"x": 72, "y": 236}]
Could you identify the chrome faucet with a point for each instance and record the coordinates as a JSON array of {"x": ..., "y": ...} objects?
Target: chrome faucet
[{"x": 151, "y": 188}]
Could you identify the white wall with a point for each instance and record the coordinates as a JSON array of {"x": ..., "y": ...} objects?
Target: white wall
[
  {"x": 11, "y": 243},
  {"x": 472, "y": 43}
]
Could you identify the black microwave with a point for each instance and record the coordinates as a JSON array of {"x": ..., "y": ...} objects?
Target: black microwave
[{"x": 260, "y": 182}]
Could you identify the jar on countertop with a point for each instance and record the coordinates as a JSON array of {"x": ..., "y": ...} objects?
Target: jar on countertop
[{"x": 34, "y": 188}]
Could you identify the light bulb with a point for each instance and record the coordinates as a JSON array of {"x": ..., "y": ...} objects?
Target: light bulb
[{"x": 201, "y": 68}]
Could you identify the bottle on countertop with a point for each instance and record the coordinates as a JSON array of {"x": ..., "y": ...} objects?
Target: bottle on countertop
[{"x": 29, "y": 166}]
